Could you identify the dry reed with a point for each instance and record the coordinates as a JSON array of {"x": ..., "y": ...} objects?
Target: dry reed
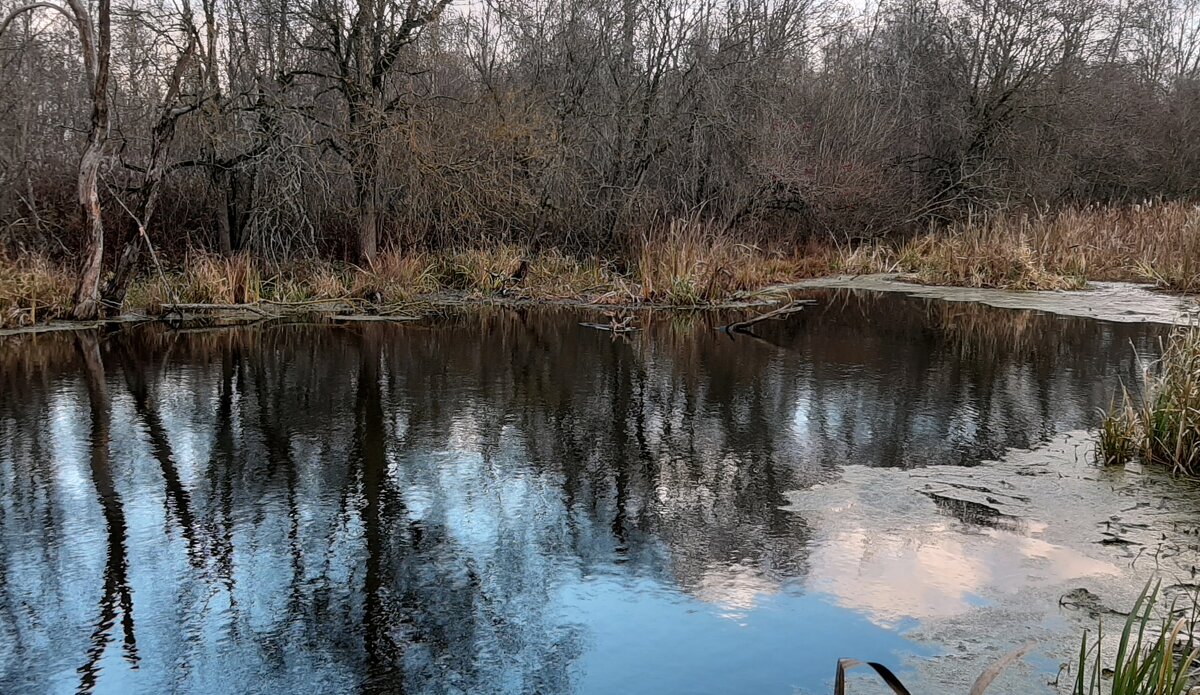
[
  {"x": 32, "y": 289},
  {"x": 1156, "y": 242},
  {"x": 681, "y": 263},
  {"x": 1162, "y": 424}
]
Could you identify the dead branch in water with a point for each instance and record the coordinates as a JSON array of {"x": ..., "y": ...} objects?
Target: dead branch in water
[
  {"x": 789, "y": 308},
  {"x": 374, "y": 317},
  {"x": 180, "y": 308},
  {"x": 616, "y": 324},
  {"x": 610, "y": 328}
]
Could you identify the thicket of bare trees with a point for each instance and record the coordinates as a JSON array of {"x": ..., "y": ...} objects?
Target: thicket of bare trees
[{"x": 290, "y": 127}]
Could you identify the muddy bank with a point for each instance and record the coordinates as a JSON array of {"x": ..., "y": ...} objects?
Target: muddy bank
[
  {"x": 1107, "y": 301},
  {"x": 978, "y": 561}
]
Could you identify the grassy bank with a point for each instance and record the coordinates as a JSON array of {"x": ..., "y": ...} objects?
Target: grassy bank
[
  {"x": 687, "y": 266},
  {"x": 682, "y": 264}
]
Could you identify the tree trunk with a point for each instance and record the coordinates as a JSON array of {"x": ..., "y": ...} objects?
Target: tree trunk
[
  {"x": 113, "y": 297},
  {"x": 368, "y": 221},
  {"x": 114, "y": 292},
  {"x": 87, "y": 291},
  {"x": 366, "y": 198},
  {"x": 224, "y": 215}
]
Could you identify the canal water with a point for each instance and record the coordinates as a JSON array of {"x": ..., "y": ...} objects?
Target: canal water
[{"x": 503, "y": 500}]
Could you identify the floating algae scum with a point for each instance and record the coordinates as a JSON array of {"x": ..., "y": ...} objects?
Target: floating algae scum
[
  {"x": 1122, "y": 302},
  {"x": 502, "y": 500},
  {"x": 1121, "y": 438},
  {"x": 1046, "y": 545}
]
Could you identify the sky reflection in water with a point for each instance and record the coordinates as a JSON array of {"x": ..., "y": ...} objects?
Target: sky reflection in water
[{"x": 503, "y": 501}]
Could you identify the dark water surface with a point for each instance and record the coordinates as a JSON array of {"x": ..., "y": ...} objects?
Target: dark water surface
[{"x": 497, "y": 501}]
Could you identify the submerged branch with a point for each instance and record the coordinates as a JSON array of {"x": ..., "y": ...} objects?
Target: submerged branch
[
  {"x": 785, "y": 310},
  {"x": 179, "y": 308}
]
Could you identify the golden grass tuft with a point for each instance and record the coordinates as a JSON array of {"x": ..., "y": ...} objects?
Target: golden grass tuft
[
  {"x": 398, "y": 276},
  {"x": 1163, "y": 426},
  {"x": 1157, "y": 242},
  {"x": 483, "y": 270},
  {"x": 1117, "y": 440},
  {"x": 201, "y": 279},
  {"x": 690, "y": 263},
  {"x": 683, "y": 266},
  {"x": 865, "y": 259},
  {"x": 324, "y": 281},
  {"x": 985, "y": 257},
  {"x": 33, "y": 289},
  {"x": 556, "y": 276}
]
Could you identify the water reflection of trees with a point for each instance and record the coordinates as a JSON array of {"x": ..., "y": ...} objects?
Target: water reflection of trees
[
  {"x": 117, "y": 597},
  {"x": 395, "y": 508}
]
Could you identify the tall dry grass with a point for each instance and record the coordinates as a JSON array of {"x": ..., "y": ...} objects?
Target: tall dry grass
[
  {"x": 681, "y": 263},
  {"x": 33, "y": 289},
  {"x": 990, "y": 256},
  {"x": 201, "y": 279},
  {"x": 1156, "y": 242},
  {"x": 516, "y": 272},
  {"x": 691, "y": 263},
  {"x": 1161, "y": 425},
  {"x": 238, "y": 279}
]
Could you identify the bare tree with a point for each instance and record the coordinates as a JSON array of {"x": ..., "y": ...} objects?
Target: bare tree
[
  {"x": 161, "y": 135},
  {"x": 359, "y": 49},
  {"x": 288, "y": 128},
  {"x": 96, "y": 43}
]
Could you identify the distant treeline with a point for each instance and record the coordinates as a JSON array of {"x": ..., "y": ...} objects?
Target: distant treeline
[{"x": 337, "y": 127}]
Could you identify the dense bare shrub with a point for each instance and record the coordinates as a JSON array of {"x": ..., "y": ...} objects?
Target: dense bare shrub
[{"x": 342, "y": 129}]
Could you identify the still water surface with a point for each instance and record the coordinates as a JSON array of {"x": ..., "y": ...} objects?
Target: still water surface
[{"x": 498, "y": 501}]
